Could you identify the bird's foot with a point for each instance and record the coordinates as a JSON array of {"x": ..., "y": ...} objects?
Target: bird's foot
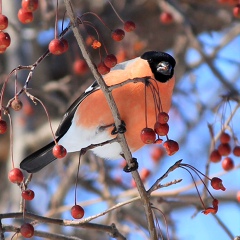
[
  {"x": 133, "y": 168},
  {"x": 120, "y": 129}
]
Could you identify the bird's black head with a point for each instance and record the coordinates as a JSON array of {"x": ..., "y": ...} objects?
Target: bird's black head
[{"x": 161, "y": 64}]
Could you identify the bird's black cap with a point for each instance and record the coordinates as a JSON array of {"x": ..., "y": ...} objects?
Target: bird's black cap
[{"x": 162, "y": 64}]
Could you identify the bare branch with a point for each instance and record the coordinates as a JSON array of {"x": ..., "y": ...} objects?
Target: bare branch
[{"x": 156, "y": 185}]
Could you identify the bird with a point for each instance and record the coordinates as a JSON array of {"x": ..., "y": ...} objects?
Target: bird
[{"x": 89, "y": 119}]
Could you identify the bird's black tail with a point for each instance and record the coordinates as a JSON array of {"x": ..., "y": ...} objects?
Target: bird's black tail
[{"x": 39, "y": 159}]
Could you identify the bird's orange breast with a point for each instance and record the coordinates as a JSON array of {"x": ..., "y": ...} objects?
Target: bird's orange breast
[{"x": 130, "y": 100}]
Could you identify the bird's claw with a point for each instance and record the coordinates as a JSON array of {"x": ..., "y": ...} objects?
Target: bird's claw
[
  {"x": 133, "y": 168},
  {"x": 120, "y": 129}
]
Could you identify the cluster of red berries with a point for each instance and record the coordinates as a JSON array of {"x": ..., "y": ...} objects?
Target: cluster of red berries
[
  {"x": 16, "y": 176},
  {"x": 59, "y": 46},
  {"x": 224, "y": 149},
  {"x": 216, "y": 184},
  {"x": 117, "y": 35},
  {"x": 161, "y": 128},
  {"x": 80, "y": 66},
  {"x": 109, "y": 62},
  {"x": 25, "y": 14},
  {"x": 5, "y": 39}
]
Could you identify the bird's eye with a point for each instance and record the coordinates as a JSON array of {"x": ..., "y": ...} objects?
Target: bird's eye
[{"x": 164, "y": 68}]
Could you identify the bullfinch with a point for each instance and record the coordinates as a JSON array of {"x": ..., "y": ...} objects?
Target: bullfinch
[{"x": 89, "y": 119}]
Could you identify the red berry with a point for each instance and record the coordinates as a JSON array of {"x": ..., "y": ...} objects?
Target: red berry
[
  {"x": 225, "y": 137},
  {"x": 216, "y": 184},
  {"x": 24, "y": 16},
  {"x": 227, "y": 164},
  {"x": 110, "y": 60},
  {"x": 30, "y": 5},
  {"x": 96, "y": 44},
  {"x": 224, "y": 149},
  {"x": 144, "y": 174},
  {"x": 215, "y": 156},
  {"x": 222, "y": 1},
  {"x": 5, "y": 40},
  {"x": 15, "y": 175},
  {"x": 157, "y": 153},
  {"x": 171, "y": 147},
  {"x": 80, "y": 67},
  {"x": 65, "y": 44},
  {"x": 118, "y": 35},
  {"x": 238, "y": 196},
  {"x": 27, "y": 230},
  {"x": 28, "y": 194},
  {"x": 210, "y": 210},
  {"x": 56, "y": 47},
  {"x": 163, "y": 117},
  {"x": 148, "y": 135},
  {"x": 3, "y": 22},
  {"x": 3, "y": 126},
  {"x": 102, "y": 68},
  {"x": 129, "y": 26},
  {"x": 236, "y": 11},
  {"x": 166, "y": 18},
  {"x": 77, "y": 212},
  {"x": 133, "y": 183},
  {"x": 215, "y": 203},
  {"x": 59, "y": 151},
  {"x": 236, "y": 151},
  {"x": 161, "y": 129},
  {"x": 16, "y": 104}
]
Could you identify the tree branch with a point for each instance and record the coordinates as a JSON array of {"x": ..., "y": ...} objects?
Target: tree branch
[{"x": 117, "y": 120}]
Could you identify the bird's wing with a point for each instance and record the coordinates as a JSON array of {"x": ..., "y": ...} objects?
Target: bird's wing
[
  {"x": 39, "y": 159},
  {"x": 68, "y": 116}
]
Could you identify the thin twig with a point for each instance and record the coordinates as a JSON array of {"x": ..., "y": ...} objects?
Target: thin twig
[
  {"x": 45, "y": 235},
  {"x": 156, "y": 184},
  {"x": 224, "y": 227},
  {"x": 134, "y": 80},
  {"x": 83, "y": 224}
]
